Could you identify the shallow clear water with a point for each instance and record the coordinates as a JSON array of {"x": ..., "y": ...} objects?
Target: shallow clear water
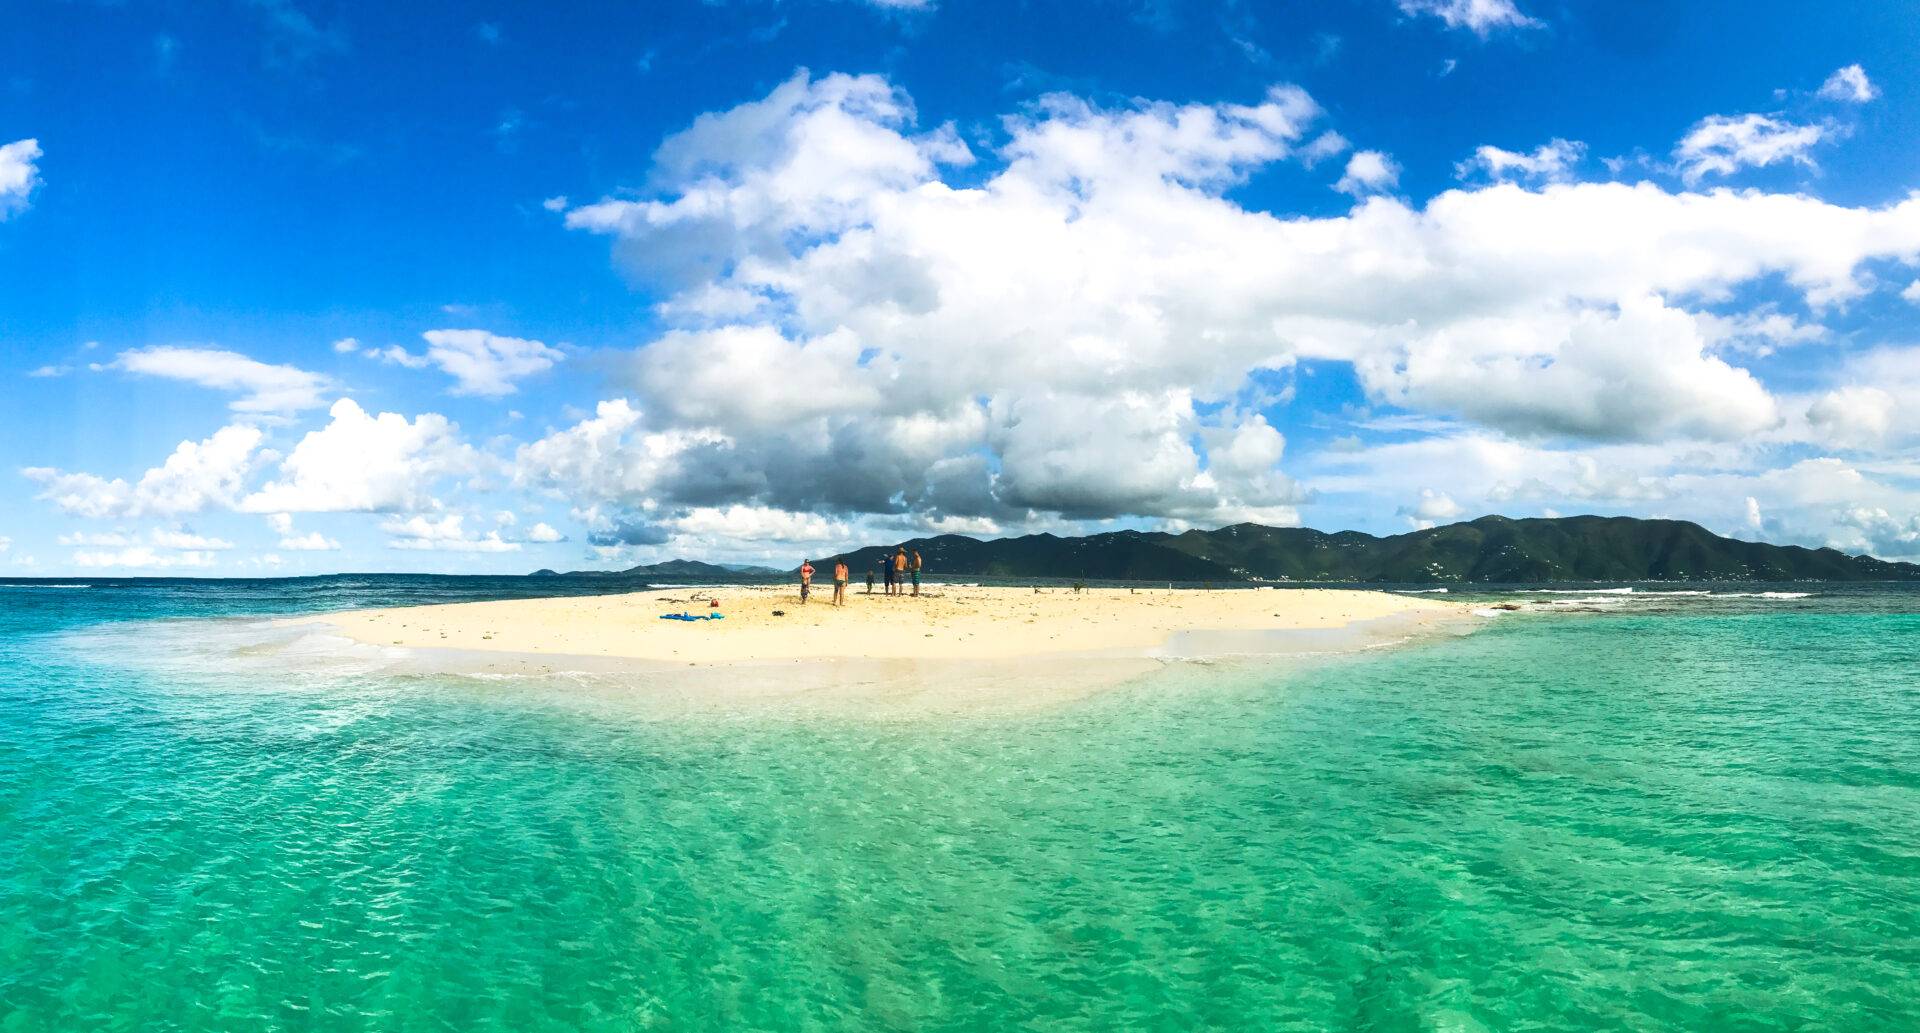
[{"x": 1699, "y": 817}]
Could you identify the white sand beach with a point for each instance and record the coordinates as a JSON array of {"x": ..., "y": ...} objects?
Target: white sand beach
[{"x": 763, "y": 624}]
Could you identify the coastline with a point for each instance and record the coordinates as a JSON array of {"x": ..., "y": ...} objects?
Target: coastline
[
  {"x": 763, "y": 624},
  {"x": 956, "y": 648}
]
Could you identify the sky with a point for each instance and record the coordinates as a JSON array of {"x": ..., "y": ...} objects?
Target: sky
[{"x": 296, "y": 287}]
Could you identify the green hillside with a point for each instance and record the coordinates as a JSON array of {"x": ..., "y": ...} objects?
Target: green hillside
[{"x": 1490, "y": 549}]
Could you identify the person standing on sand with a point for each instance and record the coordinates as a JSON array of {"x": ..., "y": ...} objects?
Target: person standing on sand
[
  {"x": 840, "y": 581},
  {"x": 886, "y": 574},
  {"x": 869, "y": 580},
  {"x": 806, "y": 580},
  {"x": 900, "y": 569},
  {"x": 916, "y": 573}
]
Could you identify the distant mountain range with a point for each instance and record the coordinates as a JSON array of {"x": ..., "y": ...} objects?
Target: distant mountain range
[{"x": 1490, "y": 549}]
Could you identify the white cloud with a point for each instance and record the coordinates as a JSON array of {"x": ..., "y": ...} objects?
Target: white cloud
[
  {"x": 1480, "y": 16},
  {"x": 263, "y": 388},
  {"x": 310, "y": 542},
  {"x": 1431, "y": 508},
  {"x": 487, "y": 364},
  {"x": 98, "y": 540},
  {"x": 141, "y": 557},
  {"x": 1551, "y": 162},
  {"x": 19, "y": 175},
  {"x": 1723, "y": 144},
  {"x": 163, "y": 548},
  {"x": 43, "y": 372},
  {"x": 1853, "y": 416},
  {"x": 197, "y": 475},
  {"x": 395, "y": 355},
  {"x": 1327, "y": 145},
  {"x": 759, "y": 524},
  {"x": 1912, "y": 292},
  {"x": 1849, "y": 84},
  {"x": 187, "y": 540},
  {"x": 360, "y": 462},
  {"x": 1368, "y": 172},
  {"x": 445, "y": 534},
  {"x": 159, "y": 538},
  {"x": 5, "y": 543},
  {"x": 346, "y": 345},
  {"x": 1078, "y": 331},
  {"x": 544, "y": 533}
]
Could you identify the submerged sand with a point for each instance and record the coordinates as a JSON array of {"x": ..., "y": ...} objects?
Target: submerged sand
[{"x": 765, "y": 624}]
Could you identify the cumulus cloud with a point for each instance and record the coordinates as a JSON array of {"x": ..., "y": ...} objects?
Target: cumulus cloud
[
  {"x": 1368, "y": 172},
  {"x": 262, "y": 387},
  {"x": 487, "y": 364},
  {"x": 197, "y": 475},
  {"x": 1431, "y": 508},
  {"x": 1720, "y": 145},
  {"x": 1849, "y": 84},
  {"x": 311, "y": 542},
  {"x": 447, "y": 534},
  {"x": 1479, "y": 16},
  {"x": 365, "y": 463},
  {"x": 1551, "y": 162},
  {"x": 1078, "y": 331},
  {"x": 1853, "y": 416},
  {"x": 544, "y": 533},
  {"x": 19, "y": 175}
]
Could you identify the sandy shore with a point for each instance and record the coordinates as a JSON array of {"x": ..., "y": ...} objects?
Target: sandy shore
[{"x": 946, "y": 623}]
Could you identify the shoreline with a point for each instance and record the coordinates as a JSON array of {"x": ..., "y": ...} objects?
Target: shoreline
[
  {"x": 761, "y": 624},
  {"x": 954, "y": 649}
]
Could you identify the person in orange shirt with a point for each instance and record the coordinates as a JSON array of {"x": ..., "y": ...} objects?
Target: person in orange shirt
[
  {"x": 806, "y": 580},
  {"x": 840, "y": 581}
]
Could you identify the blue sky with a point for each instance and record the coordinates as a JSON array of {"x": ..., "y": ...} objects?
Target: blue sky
[{"x": 753, "y": 280}]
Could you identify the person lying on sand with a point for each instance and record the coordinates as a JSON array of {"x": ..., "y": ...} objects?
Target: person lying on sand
[{"x": 806, "y": 580}]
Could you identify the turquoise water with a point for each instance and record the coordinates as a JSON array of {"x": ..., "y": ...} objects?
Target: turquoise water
[{"x": 1677, "y": 817}]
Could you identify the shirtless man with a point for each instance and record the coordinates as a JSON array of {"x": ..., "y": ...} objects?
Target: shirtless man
[{"x": 840, "y": 581}]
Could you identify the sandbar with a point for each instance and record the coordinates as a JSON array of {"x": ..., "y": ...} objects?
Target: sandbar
[{"x": 947, "y": 622}]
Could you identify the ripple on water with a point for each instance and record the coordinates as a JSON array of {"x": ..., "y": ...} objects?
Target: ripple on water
[{"x": 1655, "y": 822}]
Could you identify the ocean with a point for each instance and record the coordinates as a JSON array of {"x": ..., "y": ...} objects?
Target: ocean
[{"x": 1608, "y": 809}]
